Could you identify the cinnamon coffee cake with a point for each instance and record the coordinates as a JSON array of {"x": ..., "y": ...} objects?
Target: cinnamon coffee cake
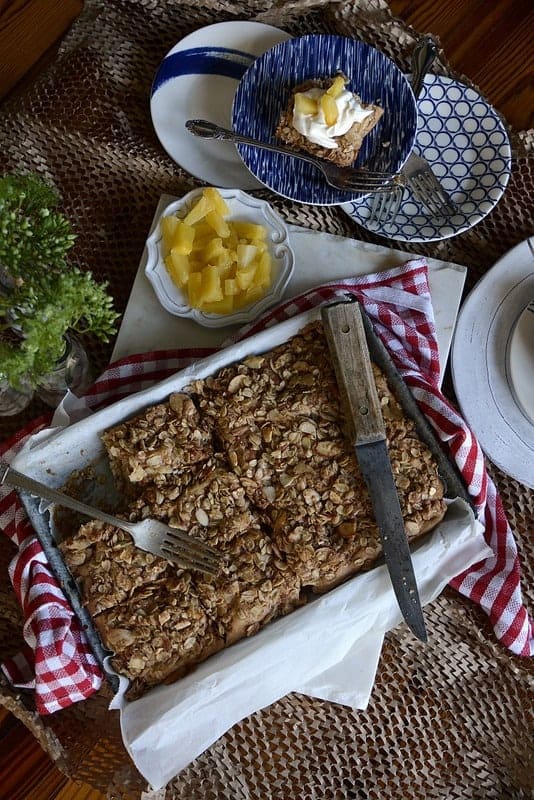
[
  {"x": 255, "y": 461},
  {"x": 325, "y": 119},
  {"x": 163, "y": 441}
]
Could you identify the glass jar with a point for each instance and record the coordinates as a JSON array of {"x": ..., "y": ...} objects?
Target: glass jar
[
  {"x": 13, "y": 401},
  {"x": 72, "y": 372}
]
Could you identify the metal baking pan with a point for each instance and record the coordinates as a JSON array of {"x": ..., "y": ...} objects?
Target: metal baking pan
[{"x": 77, "y": 449}]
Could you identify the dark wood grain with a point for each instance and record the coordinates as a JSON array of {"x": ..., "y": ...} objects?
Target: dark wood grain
[
  {"x": 26, "y": 772},
  {"x": 30, "y": 31},
  {"x": 489, "y": 42}
]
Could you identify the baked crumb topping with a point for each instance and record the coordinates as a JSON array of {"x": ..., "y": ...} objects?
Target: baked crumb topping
[{"x": 255, "y": 461}]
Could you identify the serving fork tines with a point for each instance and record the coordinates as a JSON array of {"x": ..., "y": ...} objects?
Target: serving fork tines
[
  {"x": 426, "y": 187},
  {"x": 149, "y": 534},
  {"x": 417, "y": 171},
  {"x": 347, "y": 179}
]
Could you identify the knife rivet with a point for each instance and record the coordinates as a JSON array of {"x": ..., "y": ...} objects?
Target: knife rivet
[{"x": 363, "y": 410}]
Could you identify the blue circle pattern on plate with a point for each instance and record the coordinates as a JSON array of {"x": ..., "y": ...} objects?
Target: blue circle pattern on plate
[
  {"x": 264, "y": 93},
  {"x": 467, "y": 145}
]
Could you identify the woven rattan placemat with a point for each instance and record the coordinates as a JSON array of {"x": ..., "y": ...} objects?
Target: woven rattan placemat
[{"x": 449, "y": 719}]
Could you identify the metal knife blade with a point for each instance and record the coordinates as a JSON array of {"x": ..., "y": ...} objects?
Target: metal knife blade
[{"x": 348, "y": 347}]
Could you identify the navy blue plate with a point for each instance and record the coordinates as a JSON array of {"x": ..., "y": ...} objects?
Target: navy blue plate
[{"x": 264, "y": 92}]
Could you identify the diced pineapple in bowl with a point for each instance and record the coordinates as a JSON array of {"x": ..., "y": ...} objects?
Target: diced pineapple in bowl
[{"x": 219, "y": 256}]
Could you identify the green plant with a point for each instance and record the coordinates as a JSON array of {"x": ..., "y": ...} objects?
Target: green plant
[{"x": 42, "y": 296}]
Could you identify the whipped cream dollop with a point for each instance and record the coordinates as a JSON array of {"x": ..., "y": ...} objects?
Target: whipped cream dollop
[{"x": 314, "y": 126}]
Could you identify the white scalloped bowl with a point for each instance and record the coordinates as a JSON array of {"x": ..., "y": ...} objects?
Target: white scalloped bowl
[{"x": 245, "y": 208}]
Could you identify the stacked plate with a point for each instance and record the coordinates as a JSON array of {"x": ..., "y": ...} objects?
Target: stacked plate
[
  {"x": 264, "y": 93},
  {"x": 239, "y": 75},
  {"x": 465, "y": 142},
  {"x": 492, "y": 361}
]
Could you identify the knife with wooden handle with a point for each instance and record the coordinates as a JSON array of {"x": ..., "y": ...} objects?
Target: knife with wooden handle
[{"x": 348, "y": 347}]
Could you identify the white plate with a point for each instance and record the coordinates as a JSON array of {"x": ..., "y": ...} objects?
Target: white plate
[
  {"x": 242, "y": 207},
  {"x": 197, "y": 79},
  {"x": 521, "y": 361},
  {"x": 467, "y": 145},
  {"x": 480, "y": 363}
]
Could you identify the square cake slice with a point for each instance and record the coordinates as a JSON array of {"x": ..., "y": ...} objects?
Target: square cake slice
[
  {"x": 161, "y": 630},
  {"x": 107, "y": 566},
  {"x": 327, "y": 120},
  {"x": 158, "y": 444}
]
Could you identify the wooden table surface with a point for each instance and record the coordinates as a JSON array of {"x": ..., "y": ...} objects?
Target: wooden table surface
[{"x": 490, "y": 41}]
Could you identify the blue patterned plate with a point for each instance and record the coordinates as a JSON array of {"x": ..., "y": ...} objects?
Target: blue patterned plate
[
  {"x": 264, "y": 92},
  {"x": 467, "y": 145},
  {"x": 198, "y": 79}
]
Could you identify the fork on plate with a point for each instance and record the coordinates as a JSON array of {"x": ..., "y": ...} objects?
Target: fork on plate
[
  {"x": 417, "y": 171},
  {"x": 346, "y": 179},
  {"x": 149, "y": 534}
]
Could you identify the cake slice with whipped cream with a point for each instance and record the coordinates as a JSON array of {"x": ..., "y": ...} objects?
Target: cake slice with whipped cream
[{"x": 325, "y": 119}]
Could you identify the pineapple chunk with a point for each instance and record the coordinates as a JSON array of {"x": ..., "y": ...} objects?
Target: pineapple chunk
[
  {"x": 203, "y": 232},
  {"x": 199, "y": 210},
  {"x": 230, "y": 287},
  {"x": 217, "y": 201},
  {"x": 304, "y": 104},
  {"x": 253, "y": 294},
  {"x": 249, "y": 230},
  {"x": 232, "y": 241},
  {"x": 211, "y": 289},
  {"x": 246, "y": 253},
  {"x": 223, "y": 261},
  {"x": 178, "y": 267},
  {"x": 183, "y": 238},
  {"x": 329, "y": 109},
  {"x": 201, "y": 241},
  {"x": 261, "y": 245},
  {"x": 250, "y": 296},
  {"x": 194, "y": 286},
  {"x": 262, "y": 276},
  {"x": 337, "y": 86},
  {"x": 212, "y": 250},
  {"x": 168, "y": 229},
  {"x": 245, "y": 277},
  {"x": 219, "y": 225},
  {"x": 224, "y": 306}
]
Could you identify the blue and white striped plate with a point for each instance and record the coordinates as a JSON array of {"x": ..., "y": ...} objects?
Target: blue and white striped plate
[
  {"x": 198, "y": 79},
  {"x": 265, "y": 90},
  {"x": 467, "y": 145}
]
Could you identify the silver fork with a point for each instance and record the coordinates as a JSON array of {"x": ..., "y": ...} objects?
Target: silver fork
[
  {"x": 347, "y": 179},
  {"x": 417, "y": 171},
  {"x": 149, "y": 534},
  {"x": 426, "y": 187}
]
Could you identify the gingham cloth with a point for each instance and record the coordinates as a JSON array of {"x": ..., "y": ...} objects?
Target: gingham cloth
[{"x": 57, "y": 662}]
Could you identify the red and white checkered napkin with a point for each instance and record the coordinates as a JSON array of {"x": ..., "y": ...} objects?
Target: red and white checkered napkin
[
  {"x": 56, "y": 661},
  {"x": 398, "y": 302}
]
